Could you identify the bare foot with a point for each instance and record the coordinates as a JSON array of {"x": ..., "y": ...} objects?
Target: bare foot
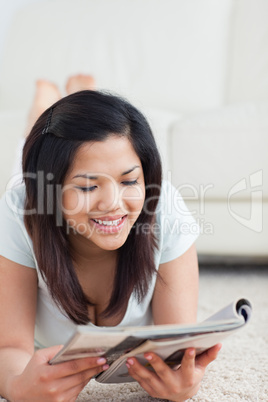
[
  {"x": 80, "y": 82},
  {"x": 46, "y": 93}
]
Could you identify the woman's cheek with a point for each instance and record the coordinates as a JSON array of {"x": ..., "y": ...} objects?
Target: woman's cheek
[
  {"x": 72, "y": 202},
  {"x": 133, "y": 199}
]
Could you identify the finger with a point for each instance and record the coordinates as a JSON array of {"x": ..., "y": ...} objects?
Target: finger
[
  {"x": 165, "y": 373},
  {"x": 46, "y": 354},
  {"x": 72, "y": 367},
  {"x": 73, "y": 384},
  {"x": 188, "y": 366},
  {"x": 83, "y": 377},
  {"x": 147, "y": 379},
  {"x": 70, "y": 394},
  {"x": 208, "y": 356}
]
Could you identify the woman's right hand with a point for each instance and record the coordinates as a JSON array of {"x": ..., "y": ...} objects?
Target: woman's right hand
[{"x": 41, "y": 381}]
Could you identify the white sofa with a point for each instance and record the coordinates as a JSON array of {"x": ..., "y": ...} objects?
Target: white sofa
[{"x": 198, "y": 69}]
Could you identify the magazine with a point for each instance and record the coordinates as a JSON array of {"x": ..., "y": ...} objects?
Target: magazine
[{"x": 116, "y": 344}]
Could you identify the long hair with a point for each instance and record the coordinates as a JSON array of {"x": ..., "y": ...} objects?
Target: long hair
[{"x": 48, "y": 155}]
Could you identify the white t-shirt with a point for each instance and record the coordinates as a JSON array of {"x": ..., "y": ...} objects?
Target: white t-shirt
[{"x": 176, "y": 231}]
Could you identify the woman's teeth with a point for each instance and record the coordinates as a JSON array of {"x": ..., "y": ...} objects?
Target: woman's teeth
[{"x": 108, "y": 223}]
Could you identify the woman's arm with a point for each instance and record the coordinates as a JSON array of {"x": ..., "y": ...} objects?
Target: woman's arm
[
  {"x": 18, "y": 293},
  {"x": 176, "y": 295},
  {"x": 25, "y": 375},
  {"x": 175, "y": 302}
]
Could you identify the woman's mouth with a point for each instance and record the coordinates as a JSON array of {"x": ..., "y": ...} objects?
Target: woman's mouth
[{"x": 109, "y": 225}]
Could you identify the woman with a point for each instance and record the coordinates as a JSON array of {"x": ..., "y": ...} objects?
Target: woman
[{"x": 92, "y": 237}]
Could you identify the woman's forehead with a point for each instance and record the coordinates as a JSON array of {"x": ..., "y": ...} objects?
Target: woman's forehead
[{"x": 115, "y": 154}]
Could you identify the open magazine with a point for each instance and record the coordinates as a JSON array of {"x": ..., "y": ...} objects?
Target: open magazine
[{"x": 168, "y": 341}]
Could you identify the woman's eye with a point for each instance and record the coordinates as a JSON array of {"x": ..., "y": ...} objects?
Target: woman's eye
[
  {"x": 130, "y": 182},
  {"x": 87, "y": 189}
]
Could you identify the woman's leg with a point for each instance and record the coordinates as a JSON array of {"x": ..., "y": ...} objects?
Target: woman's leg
[
  {"x": 46, "y": 93},
  {"x": 80, "y": 82}
]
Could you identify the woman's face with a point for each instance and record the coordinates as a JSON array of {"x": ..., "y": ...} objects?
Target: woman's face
[{"x": 104, "y": 192}]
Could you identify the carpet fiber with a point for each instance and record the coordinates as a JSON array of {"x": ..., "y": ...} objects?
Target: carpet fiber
[{"x": 240, "y": 372}]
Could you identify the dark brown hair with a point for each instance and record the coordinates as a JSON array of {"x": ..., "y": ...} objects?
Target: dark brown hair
[{"x": 48, "y": 154}]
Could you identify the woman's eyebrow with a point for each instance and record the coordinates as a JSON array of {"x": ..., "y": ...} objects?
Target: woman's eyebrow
[
  {"x": 89, "y": 177},
  {"x": 130, "y": 170},
  {"x": 86, "y": 176}
]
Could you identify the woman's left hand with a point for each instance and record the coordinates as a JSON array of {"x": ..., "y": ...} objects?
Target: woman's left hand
[{"x": 174, "y": 385}]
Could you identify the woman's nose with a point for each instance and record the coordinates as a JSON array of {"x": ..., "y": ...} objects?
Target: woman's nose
[{"x": 109, "y": 198}]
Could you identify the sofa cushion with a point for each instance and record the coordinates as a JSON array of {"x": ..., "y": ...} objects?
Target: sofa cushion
[
  {"x": 231, "y": 229},
  {"x": 220, "y": 151},
  {"x": 167, "y": 54}
]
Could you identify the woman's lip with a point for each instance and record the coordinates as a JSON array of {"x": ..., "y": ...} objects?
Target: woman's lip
[
  {"x": 109, "y": 228},
  {"x": 109, "y": 218}
]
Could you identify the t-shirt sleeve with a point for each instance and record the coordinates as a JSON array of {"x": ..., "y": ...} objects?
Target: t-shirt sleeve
[
  {"x": 15, "y": 243},
  {"x": 179, "y": 230}
]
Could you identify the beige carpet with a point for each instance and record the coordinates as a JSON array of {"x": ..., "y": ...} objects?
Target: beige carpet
[{"x": 241, "y": 371}]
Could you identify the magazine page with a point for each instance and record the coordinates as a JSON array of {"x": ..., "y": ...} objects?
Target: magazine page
[
  {"x": 89, "y": 344},
  {"x": 240, "y": 308},
  {"x": 115, "y": 341},
  {"x": 171, "y": 351}
]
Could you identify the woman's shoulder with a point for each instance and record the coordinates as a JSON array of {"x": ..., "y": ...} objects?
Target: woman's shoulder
[
  {"x": 12, "y": 201},
  {"x": 15, "y": 243},
  {"x": 176, "y": 227},
  {"x": 170, "y": 199},
  {"x": 172, "y": 206}
]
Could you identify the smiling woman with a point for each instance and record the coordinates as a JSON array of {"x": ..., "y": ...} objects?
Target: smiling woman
[
  {"x": 91, "y": 139},
  {"x": 109, "y": 202},
  {"x": 93, "y": 237}
]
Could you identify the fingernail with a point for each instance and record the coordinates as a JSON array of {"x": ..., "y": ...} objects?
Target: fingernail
[
  {"x": 101, "y": 360},
  {"x": 191, "y": 353},
  {"x": 105, "y": 367},
  {"x": 128, "y": 366},
  {"x": 148, "y": 357},
  {"x": 130, "y": 361}
]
